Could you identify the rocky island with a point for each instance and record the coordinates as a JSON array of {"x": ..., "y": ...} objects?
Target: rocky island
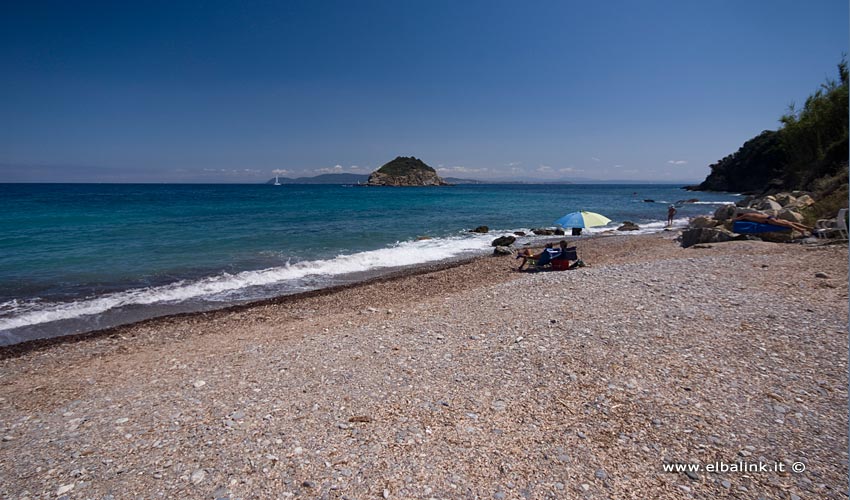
[{"x": 405, "y": 171}]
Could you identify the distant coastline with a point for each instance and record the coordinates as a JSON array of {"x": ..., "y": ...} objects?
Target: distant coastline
[{"x": 339, "y": 179}]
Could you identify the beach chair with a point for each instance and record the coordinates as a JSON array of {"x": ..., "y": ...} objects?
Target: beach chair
[{"x": 825, "y": 228}]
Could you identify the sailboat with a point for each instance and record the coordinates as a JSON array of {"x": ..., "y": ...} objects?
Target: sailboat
[{"x": 276, "y": 182}]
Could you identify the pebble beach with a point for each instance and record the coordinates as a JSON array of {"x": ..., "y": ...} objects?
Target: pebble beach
[{"x": 461, "y": 380}]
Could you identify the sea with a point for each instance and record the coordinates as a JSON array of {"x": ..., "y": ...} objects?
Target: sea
[{"x": 81, "y": 257}]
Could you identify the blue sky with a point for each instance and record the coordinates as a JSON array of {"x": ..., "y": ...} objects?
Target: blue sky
[{"x": 233, "y": 91}]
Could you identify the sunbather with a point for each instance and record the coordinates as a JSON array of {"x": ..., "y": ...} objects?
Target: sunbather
[{"x": 769, "y": 219}]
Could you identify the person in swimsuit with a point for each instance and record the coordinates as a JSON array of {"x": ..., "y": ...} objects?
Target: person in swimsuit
[{"x": 770, "y": 219}]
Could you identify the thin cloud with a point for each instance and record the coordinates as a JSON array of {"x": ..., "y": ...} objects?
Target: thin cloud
[
  {"x": 595, "y": 158},
  {"x": 677, "y": 162},
  {"x": 329, "y": 170},
  {"x": 462, "y": 169},
  {"x": 281, "y": 171}
]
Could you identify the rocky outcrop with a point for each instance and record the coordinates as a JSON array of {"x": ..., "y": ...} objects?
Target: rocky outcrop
[
  {"x": 628, "y": 226},
  {"x": 503, "y": 241},
  {"x": 481, "y": 229},
  {"x": 785, "y": 206},
  {"x": 404, "y": 171}
]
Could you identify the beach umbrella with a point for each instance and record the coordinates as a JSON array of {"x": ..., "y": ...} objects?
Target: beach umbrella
[{"x": 582, "y": 219}]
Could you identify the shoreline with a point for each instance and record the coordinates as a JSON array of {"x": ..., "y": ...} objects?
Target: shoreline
[
  {"x": 16, "y": 349},
  {"x": 20, "y": 348}
]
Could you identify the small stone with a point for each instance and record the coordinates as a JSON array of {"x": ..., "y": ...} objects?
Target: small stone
[
  {"x": 386, "y": 493},
  {"x": 693, "y": 475},
  {"x": 726, "y": 484},
  {"x": 499, "y": 495},
  {"x": 199, "y": 383},
  {"x": 308, "y": 484},
  {"x": 601, "y": 474},
  {"x": 119, "y": 421},
  {"x": 821, "y": 275},
  {"x": 585, "y": 487},
  {"x": 64, "y": 489},
  {"x": 498, "y": 405},
  {"x": 198, "y": 476},
  {"x": 298, "y": 450},
  {"x": 684, "y": 488},
  {"x": 237, "y": 415}
]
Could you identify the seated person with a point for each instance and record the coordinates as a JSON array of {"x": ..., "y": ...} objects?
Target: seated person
[
  {"x": 562, "y": 250},
  {"x": 769, "y": 219},
  {"x": 547, "y": 255},
  {"x": 526, "y": 255}
]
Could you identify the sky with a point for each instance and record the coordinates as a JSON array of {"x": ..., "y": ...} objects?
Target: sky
[{"x": 495, "y": 90}]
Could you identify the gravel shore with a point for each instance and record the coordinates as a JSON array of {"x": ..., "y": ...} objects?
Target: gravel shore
[{"x": 473, "y": 381}]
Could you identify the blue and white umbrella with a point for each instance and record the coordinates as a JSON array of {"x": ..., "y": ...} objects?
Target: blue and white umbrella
[{"x": 582, "y": 219}]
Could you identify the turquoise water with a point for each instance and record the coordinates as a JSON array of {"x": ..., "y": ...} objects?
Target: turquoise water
[{"x": 75, "y": 257}]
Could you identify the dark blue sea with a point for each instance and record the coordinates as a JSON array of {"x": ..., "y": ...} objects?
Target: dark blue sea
[{"x": 78, "y": 257}]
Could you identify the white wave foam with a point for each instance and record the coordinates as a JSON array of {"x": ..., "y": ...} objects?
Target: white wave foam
[{"x": 401, "y": 254}]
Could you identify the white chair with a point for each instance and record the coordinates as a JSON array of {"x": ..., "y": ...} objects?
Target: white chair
[{"x": 824, "y": 228}]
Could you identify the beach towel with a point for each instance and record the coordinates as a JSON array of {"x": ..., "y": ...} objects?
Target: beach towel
[{"x": 747, "y": 227}]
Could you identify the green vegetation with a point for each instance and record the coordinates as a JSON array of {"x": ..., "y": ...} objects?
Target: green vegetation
[
  {"x": 403, "y": 165},
  {"x": 809, "y": 152}
]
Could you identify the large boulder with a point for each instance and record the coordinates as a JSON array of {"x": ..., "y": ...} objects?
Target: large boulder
[
  {"x": 803, "y": 201},
  {"x": 767, "y": 203},
  {"x": 503, "y": 241},
  {"x": 696, "y": 235},
  {"x": 725, "y": 212},
  {"x": 784, "y": 199},
  {"x": 790, "y": 215},
  {"x": 481, "y": 229},
  {"x": 543, "y": 232},
  {"x": 628, "y": 226},
  {"x": 703, "y": 221},
  {"x": 404, "y": 171},
  {"x": 502, "y": 251}
]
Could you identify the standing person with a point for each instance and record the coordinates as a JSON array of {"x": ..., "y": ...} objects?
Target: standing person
[{"x": 671, "y": 212}]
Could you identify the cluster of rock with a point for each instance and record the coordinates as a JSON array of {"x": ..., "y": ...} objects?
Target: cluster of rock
[
  {"x": 718, "y": 228},
  {"x": 405, "y": 171}
]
